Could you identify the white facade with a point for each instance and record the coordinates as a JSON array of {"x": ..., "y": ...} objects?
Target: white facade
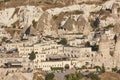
[
  {"x": 24, "y": 51},
  {"x": 76, "y": 51},
  {"x": 17, "y": 45},
  {"x": 25, "y": 14},
  {"x": 76, "y": 42},
  {"x": 48, "y": 64}
]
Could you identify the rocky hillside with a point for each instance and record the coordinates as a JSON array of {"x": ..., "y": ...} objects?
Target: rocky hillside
[
  {"x": 82, "y": 18},
  {"x": 53, "y": 15},
  {"x": 43, "y": 3},
  {"x": 110, "y": 76}
]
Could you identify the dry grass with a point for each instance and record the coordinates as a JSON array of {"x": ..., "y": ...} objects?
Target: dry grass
[
  {"x": 110, "y": 76},
  {"x": 15, "y": 3},
  {"x": 44, "y": 4}
]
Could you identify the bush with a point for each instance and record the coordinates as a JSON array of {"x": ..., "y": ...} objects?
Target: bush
[
  {"x": 114, "y": 69},
  {"x": 48, "y": 2},
  {"x": 93, "y": 76},
  {"x": 75, "y": 76},
  {"x": 52, "y": 38},
  {"x": 63, "y": 41},
  {"x": 49, "y": 76},
  {"x": 87, "y": 44},
  {"x": 98, "y": 68},
  {"x": 55, "y": 17},
  {"x": 32, "y": 56},
  {"x": 115, "y": 39},
  {"x": 102, "y": 69},
  {"x": 4, "y": 26},
  {"x": 34, "y": 23},
  {"x": 95, "y": 47},
  {"x": 57, "y": 68},
  {"x": 83, "y": 67},
  {"x": 4, "y": 39},
  {"x": 109, "y": 26},
  {"x": 14, "y": 26}
]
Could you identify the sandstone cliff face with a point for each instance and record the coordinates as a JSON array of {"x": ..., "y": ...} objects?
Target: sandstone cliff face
[
  {"x": 80, "y": 25},
  {"x": 69, "y": 24},
  {"x": 20, "y": 16},
  {"x": 69, "y": 2},
  {"x": 46, "y": 25},
  {"x": 77, "y": 16}
]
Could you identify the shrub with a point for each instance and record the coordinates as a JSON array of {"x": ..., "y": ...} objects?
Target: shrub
[
  {"x": 4, "y": 39},
  {"x": 114, "y": 69},
  {"x": 87, "y": 44},
  {"x": 115, "y": 39},
  {"x": 102, "y": 69},
  {"x": 57, "y": 68},
  {"x": 98, "y": 68},
  {"x": 49, "y": 76},
  {"x": 95, "y": 47},
  {"x": 52, "y": 38},
  {"x": 75, "y": 76},
  {"x": 83, "y": 67},
  {"x": 63, "y": 41},
  {"x": 48, "y": 2},
  {"x": 109, "y": 26},
  {"x": 32, "y": 56},
  {"x": 34, "y": 23},
  {"x": 93, "y": 76},
  {"x": 14, "y": 26}
]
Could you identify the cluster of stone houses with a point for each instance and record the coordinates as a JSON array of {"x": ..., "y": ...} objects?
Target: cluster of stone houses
[
  {"x": 75, "y": 54},
  {"x": 89, "y": 48}
]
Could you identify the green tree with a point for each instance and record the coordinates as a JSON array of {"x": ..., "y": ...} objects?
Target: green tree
[
  {"x": 69, "y": 77},
  {"x": 114, "y": 69},
  {"x": 102, "y": 69},
  {"x": 14, "y": 26},
  {"x": 83, "y": 67},
  {"x": 34, "y": 23},
  {"x": 75, "y": 76},
  {"x": 57, "y": 68},
  {"x": 95, "y": 47},
  {"x": 87, "y": 44},
  {"x": 79, "y": 75},
  {"x": 49, "y": 76},
  {"x": 109, "y": 26},
  {"x": 98, "y": 68},
  {"x": 63, "y": 41},
  {"x": 4, "y": 39},
  {"x": 115, "y": 38},
  {"x": 32, "y": 56}
]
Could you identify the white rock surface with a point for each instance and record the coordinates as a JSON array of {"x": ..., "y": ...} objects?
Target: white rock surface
[{"x": 25, "y": 15}]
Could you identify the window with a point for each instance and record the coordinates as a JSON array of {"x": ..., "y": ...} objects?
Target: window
[{"x": 87, "y": 56}]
